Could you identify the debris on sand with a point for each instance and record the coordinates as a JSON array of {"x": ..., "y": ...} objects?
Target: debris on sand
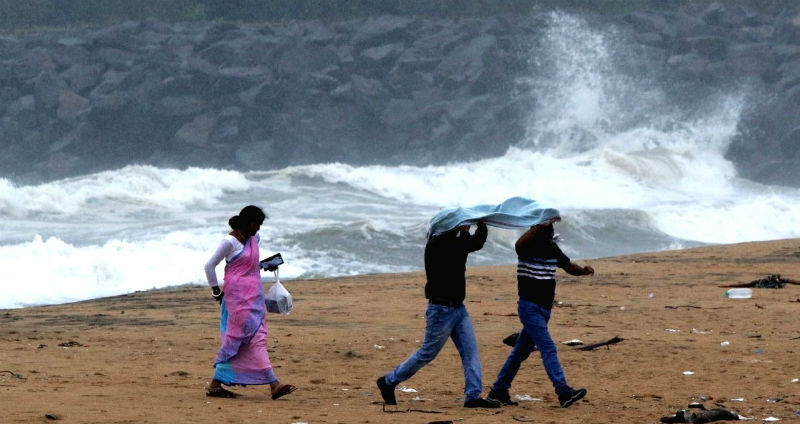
[
  {"x": 613, "y": 340},
  {"x": 511, "y": 339},
  {"x": 13, "y": 374},
  {"x": 773, "y": 281},
  {"x": 702, "y": 416}
]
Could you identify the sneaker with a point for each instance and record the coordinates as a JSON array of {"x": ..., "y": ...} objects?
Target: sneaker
[
  {"x": 482, "y": 403},
  {"x": 387, "y": 391},
  {"x": 571, "y": 396},
  {"x": 502, "y": 396}
]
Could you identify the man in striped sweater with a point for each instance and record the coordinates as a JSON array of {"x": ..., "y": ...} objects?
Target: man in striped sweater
[{"x": 538, "y": 256}]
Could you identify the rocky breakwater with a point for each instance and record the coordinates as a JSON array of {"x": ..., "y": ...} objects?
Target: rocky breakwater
[
  {"x": 380, "y": 90},
  {"x": 386, "y": 90},
  {"x": 725, "y": 46}
]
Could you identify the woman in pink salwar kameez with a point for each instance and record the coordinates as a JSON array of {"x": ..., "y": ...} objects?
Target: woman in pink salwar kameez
[{"x": 242, "y": 358}]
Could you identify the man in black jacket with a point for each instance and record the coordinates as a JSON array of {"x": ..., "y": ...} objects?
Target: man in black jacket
[{"x": 446, "y": 316}]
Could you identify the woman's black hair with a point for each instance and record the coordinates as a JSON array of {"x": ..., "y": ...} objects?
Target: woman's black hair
[{"x": 248, "y": 215}]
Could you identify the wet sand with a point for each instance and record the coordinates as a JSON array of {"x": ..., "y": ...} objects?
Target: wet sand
[{"x": 146, "y": 357}]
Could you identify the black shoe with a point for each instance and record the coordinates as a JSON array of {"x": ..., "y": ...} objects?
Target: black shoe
[
  {"x": 482, "y": 403},
  {"x": 569, "y": 397},
  {"x": 387, "y": 391},
  {"x": 502, "y": 396}
]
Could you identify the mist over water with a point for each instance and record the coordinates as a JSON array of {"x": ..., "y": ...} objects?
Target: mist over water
[{"x": 629, "y": 170}]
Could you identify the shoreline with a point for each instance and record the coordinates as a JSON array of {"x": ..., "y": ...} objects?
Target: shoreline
[
  {"x": 146, "y": 356},
  {"x": 181, "y": 287}
]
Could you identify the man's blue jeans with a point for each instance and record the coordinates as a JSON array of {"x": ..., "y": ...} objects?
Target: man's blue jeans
[
  {"x": 534, "y": 333},
  {"x": 443, "y": 322}
]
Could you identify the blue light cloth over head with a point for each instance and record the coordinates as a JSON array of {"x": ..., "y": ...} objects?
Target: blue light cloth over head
[{"x": 516, "y": 212}]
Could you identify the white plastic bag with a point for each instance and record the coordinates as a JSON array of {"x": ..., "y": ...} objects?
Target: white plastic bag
[{"x": 278, "y": 299}]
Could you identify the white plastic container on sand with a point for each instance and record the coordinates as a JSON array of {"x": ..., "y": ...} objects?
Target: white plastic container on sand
[{"x": 739, "y": 293}]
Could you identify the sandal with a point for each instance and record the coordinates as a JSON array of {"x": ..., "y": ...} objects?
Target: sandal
[
  {"x": 283, "y": 391},
  {"x": 220, "y": 392}
]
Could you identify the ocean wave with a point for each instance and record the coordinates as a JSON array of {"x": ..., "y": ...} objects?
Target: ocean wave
[{"x": 132, "y": 190}]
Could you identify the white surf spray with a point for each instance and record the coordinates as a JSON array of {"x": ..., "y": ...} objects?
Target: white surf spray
[{"x": 629, "y": 171}]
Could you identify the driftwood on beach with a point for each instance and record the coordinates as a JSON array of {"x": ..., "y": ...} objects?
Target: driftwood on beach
[
  {"x": 13, "y": 374},
  {"x": 773, "y": 281},
  {"x": 613, "y": 340},
  {"x": 401, "y": 411},
  {"x": 511, "y": 340}
]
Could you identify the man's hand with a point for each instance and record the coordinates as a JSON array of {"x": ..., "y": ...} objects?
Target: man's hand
[{"x": 574, "y": 269}]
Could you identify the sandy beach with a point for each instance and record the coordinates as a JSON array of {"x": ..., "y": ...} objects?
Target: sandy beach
[{"x": 146, "y": 357}]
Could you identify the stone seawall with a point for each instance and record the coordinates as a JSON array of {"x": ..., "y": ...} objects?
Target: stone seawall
[{"x": 386, "y": 90}]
